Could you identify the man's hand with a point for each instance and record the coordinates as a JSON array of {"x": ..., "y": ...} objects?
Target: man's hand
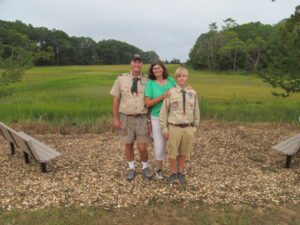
[
  {"x": 166, "y": 136},
  {"x": 117, "y": 124}
]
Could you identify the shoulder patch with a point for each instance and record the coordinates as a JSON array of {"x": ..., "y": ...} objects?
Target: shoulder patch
[
  {"x": 124, "y": 74},
  {"x": 190, "y": 93}
]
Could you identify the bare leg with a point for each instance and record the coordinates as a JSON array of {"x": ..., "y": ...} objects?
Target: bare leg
[
  {"x": 181, "y": 163},
  {"x": 143, "y": 152},
  {"x": 173, "y": 166},
  {"x": 159, "y": 164},
  {"x": 129, "y": 153}
]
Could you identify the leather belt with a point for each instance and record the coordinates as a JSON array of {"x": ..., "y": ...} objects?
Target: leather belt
[
  {"x": 136, "y": 115},
  {"x": 183, "y": 125}
]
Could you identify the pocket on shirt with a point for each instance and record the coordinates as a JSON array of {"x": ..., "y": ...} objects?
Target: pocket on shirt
[
  {"x": 126, "y": 91},
  {"x": 191, "y": 104},
  {"x": 174, "y": 104}
]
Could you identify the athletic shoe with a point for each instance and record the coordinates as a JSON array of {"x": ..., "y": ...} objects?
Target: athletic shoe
[
  {"x": 172, "y": 178},
  {"x": 131, "y": 175},
  {"x": 158, "y": 175},
  {"x": 147, "y": 173},
  {"x": 181, "y": 178}
]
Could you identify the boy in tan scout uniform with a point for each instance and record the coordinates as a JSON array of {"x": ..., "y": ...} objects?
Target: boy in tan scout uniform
[
  {"x": 131, "y": 116},
  {"x": 179, "y": 117}
]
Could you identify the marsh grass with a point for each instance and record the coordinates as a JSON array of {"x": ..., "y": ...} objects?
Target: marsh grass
[{"x": 79, "y": 95}]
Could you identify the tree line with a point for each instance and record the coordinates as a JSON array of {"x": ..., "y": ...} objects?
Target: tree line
[
  {"x": 22, "y": 46},
  {"x": 272, "y": 51},
  {"x": 55, "y": 47}
]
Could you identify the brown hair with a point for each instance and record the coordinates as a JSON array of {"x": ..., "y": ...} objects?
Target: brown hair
[{"x": 151, "y": 74}]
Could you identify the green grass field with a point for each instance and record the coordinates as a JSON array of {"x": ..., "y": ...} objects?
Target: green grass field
[
  {"x": 80, "y": 95},
  {"x": 163, "y": 213}
]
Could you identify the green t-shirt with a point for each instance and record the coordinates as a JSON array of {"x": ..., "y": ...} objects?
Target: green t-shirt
[{"x": 154, "y": 90}]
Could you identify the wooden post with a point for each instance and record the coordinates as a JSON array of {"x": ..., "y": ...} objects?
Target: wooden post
[
  {"x": 26, "y": 157},
  {"x": 12, "y": 148},
  {"x": 43, "y": 167},
  {"x": 288, "y": 161}
]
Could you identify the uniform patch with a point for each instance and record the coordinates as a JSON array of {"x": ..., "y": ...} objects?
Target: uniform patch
[
  {"x": 190, "y": 94},
  {"x": 174, "y": 106}
]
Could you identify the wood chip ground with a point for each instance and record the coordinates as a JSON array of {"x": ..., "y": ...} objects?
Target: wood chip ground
[{"x": 230, "y": 163}]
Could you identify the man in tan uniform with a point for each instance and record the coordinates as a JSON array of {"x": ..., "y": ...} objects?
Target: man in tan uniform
[
  {"x": 179, "y": 117},
  {"x": 131, "y": 116}
]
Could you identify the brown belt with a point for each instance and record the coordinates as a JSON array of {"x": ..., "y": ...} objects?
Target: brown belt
[
  {"x": 136, "y": 115},
  {"x": 183, "y": 125}
]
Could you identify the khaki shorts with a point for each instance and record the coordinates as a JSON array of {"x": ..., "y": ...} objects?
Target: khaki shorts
[
  {"x": 181, "y": 141},
  {"x": 134, "y": 128}
]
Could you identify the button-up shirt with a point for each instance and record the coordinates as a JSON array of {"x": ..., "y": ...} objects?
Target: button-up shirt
[
  {"x": 172, "y": 111},
  {"x": 130, "y": 103}
]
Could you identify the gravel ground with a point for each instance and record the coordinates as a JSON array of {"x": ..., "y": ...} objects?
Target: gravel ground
[{"x": 231, "y": 163}]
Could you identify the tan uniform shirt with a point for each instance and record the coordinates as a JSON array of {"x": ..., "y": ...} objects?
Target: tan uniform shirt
[
  {"x": 130, "y": 104},
  {"x": 172, "y": 108}
]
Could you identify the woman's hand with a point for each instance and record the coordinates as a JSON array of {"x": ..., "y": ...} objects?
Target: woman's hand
[{"x": 166, "y": 94}]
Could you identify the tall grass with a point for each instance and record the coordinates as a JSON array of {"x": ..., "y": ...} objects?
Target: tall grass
[{"x": 80, "y": 95}]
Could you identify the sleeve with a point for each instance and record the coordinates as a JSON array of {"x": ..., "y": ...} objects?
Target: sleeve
[
  {"x": 163, "y": 115},
  {"x": 196, "y": 111},
  {"x": 149, "y": 90},
  {"x": 115, "y": 90}
]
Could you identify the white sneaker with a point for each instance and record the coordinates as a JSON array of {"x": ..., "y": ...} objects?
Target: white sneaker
[{"x": 158, "y": 175}]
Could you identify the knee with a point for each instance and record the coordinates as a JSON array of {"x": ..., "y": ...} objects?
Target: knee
[{"x": 143, "y": 150}]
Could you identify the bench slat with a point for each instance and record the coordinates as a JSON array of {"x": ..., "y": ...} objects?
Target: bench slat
[
  {"x": 43, "y": 152},
  {"x": 17, "y": 139},
  {"x": 4, "y": 130},
  {"x": 289, "y": 146}
]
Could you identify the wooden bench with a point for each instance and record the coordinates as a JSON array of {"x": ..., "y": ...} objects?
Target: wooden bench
[
  {"x": 289, "y": 148},
  {"x": 40, "y": 152}
]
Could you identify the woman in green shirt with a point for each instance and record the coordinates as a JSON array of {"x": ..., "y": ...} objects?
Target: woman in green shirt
[{"x": 157, "y": 89}]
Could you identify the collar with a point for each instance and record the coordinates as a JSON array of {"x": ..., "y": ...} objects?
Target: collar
[
  {"x": 179, "y": 89},
  {"x": 139, "y": 76}
]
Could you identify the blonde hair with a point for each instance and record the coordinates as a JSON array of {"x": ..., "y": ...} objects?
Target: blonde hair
[{"x": 180, "y": 70}]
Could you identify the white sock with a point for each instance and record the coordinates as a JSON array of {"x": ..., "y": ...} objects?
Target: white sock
[
  {"x": 131, "y": 165},
  {"x": 145, "y": 164}
]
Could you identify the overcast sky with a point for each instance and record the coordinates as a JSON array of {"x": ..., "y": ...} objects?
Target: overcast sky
[{"x": 169, "y": 27}]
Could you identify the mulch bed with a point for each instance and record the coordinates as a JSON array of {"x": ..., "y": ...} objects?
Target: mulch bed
[{"x": 231, "y": 163}]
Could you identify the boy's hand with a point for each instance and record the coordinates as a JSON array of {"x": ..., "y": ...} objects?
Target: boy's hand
[{"x": 166, "y": 136}]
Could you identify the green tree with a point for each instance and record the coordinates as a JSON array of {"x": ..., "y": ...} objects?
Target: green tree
[
  {"x": 83, "y": 51},
  {"x": 175, "y": 61},
  {"x": 255, "y": 49},
  {"x": 233, "y": 48},
  {"x": 205, "y": 54},
  {"x": 150, "y": 57},
  {"x": 284, "y": 57},
  {"x": 229, "y": 24},
  {"x": 116, "y": 52},
  {"x": 16, "y": 56}
]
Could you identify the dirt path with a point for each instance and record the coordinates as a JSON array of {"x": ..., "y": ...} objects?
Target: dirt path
[{"x": 230, "y": 164}]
